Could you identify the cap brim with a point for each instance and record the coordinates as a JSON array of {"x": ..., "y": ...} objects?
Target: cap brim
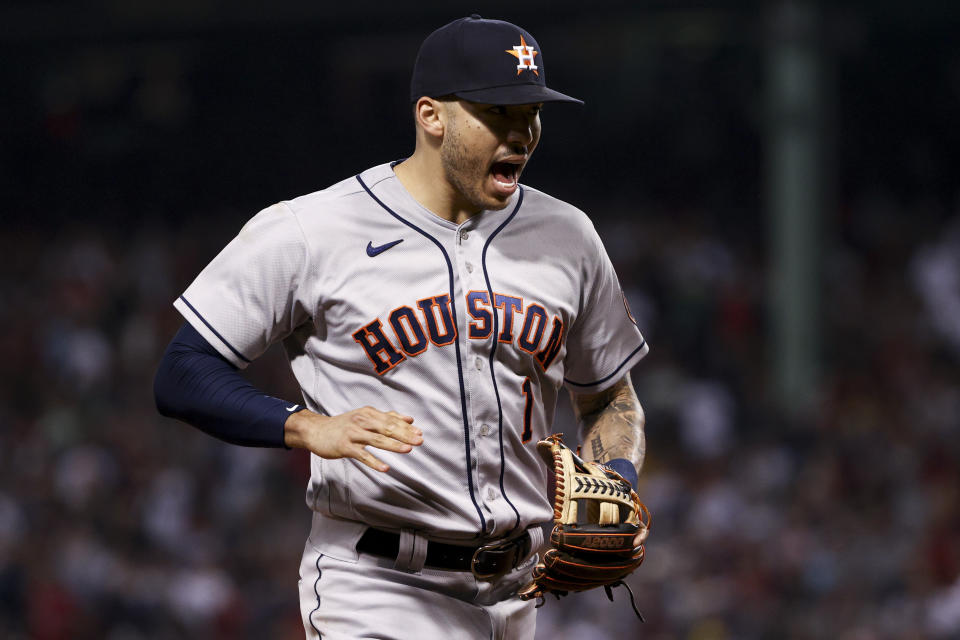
[{"x": 516, "y": 94}]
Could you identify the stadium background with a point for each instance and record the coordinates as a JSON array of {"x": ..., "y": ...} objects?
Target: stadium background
[{"x": 804, "y": 482}]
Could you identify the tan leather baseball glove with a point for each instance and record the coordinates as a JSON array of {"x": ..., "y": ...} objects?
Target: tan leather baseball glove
[{"x": 597, "y": 517}]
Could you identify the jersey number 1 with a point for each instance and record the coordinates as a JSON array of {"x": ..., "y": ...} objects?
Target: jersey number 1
[{"x": 527, "y": 410}]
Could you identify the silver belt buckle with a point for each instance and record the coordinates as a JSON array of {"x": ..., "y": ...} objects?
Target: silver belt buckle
[{"x": 488, "y": 547}]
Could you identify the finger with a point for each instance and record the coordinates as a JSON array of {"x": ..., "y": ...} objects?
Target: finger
[
  {"x": 398, "y": 429},
  {"x": 407, "y": 420},
  {"x": 387, "y": 444},
  {"x": 389, "y": 423},
  {"x": 370, "y": 460}
]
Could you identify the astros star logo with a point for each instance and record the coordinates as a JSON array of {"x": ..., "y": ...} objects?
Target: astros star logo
[{"x": 525, "y": 55}]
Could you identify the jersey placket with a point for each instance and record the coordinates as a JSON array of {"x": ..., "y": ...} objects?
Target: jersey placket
[{"x": 482, "y": 401}]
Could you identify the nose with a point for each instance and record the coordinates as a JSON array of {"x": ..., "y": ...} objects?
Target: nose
[{"x": 521, "y": 132}]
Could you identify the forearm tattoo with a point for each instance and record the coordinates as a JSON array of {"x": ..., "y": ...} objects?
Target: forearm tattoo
[{"x": 613, "y": 424}]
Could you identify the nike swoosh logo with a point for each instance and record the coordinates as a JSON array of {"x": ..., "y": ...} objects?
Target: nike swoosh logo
[
  {"x": 375, "y": 251},
  {"x": 290, "y": 409}
]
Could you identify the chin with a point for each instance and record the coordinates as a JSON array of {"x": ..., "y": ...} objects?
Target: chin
[
  {"x": 482, "y": 200},
  {"x": 494, "y": 200},
  {"x": 496, "y": 204}
]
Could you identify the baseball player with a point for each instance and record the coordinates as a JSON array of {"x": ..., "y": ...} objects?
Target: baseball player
[{"x": 432, "y": 309}]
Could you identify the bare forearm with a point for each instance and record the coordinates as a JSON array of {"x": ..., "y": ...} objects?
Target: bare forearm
[{"x": 613, "y": 424}]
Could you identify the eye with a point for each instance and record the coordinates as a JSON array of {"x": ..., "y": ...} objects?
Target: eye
[{"x": 498, "y": 109}]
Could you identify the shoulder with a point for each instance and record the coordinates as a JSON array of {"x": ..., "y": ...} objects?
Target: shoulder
[
  {"x": 317, "y": 203},
  {"x": 343, "y": 207},
  {"x": 552, "y": 213}
]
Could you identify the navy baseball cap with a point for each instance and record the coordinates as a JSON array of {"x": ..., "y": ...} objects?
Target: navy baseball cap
[{"x": 488, "y": 61}]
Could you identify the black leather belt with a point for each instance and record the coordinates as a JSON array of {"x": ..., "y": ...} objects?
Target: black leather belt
[{"x": 486, "y": 561}]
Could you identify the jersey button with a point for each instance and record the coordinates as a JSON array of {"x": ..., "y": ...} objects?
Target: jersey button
[
  {"x": 464, "y": 234},
  {"x": 491, "y": 494},
  {"x": 484, "y": 429},
  {"x": 479, "y": 363},
  {"x": 469, "y": 268}
]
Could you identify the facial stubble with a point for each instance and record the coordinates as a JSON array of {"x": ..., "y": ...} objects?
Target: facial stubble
[{"x": 465, "y": 173}]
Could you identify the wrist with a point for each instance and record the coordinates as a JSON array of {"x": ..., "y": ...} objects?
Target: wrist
[
  {"x": 626, "y": 469},
  {"x": 294, "y": 428}
]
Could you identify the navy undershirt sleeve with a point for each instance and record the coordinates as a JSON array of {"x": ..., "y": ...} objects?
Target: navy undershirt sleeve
[{"x": 197, "y": 385}]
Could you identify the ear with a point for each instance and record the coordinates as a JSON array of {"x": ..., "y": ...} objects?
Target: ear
[{"x": 431, "y": 116}]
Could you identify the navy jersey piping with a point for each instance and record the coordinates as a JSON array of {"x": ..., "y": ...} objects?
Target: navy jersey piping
[
  {"x": 493, "y": 351},
  {"x": 456, "y": 344},
  {"x": 643, "y": 343},
  {"x": 317, "y": 608},
  {"x": 215, "y": 332}
]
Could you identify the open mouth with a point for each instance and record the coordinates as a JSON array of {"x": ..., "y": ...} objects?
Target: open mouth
[{"x": 505, "y": 175}]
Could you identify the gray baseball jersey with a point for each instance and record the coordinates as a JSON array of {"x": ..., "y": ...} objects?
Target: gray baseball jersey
[{"x": 472, "y": 329}]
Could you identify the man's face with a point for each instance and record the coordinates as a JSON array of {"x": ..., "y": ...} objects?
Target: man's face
[{"x": 485, "y": 147}]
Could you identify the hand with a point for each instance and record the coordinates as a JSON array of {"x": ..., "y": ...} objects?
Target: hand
[
  {"x": 641, "y": 537},
  {"x": 347, "y": 435}
]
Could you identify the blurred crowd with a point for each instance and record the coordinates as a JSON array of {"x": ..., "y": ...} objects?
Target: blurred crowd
[
  {"x": 114, "y": 522},
  {"x": 841, "y": 522}
]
